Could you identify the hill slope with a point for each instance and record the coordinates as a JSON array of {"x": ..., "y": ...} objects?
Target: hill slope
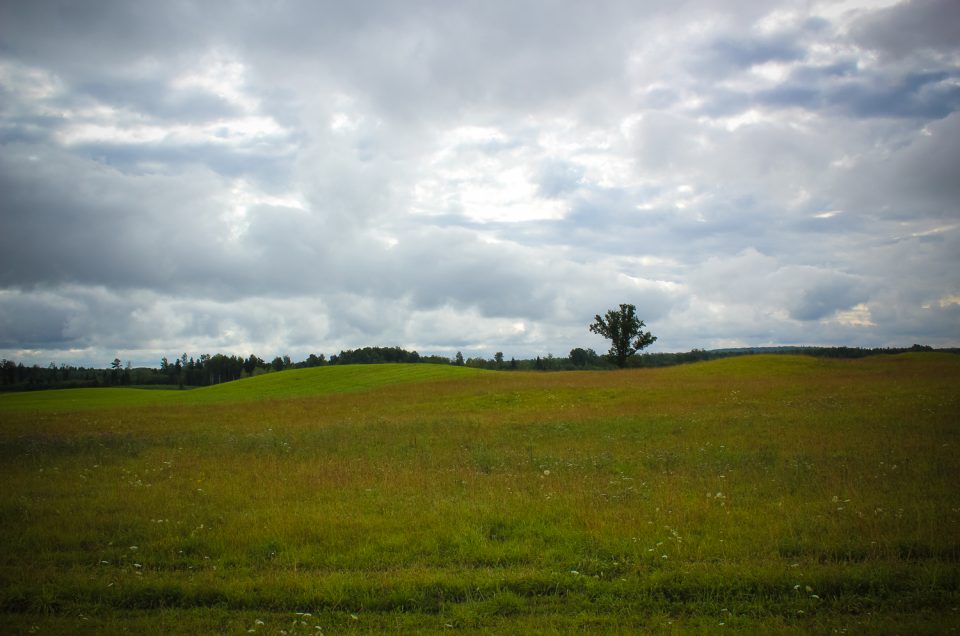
[
  {"x": 769, "y": 495},
  {"x": 294, "y": 383}
]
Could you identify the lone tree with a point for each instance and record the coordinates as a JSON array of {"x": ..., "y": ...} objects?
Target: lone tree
[{"x": 624, "y": 331}]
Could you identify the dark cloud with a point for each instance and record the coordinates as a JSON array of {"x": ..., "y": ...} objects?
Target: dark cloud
[
  {"x": 845, "y": 89},
  {"x": 927, "y": 95},
  {"x": 98, "y": 227},
  {"x": 825, "y": 297},
  {"x": 911, "y": 27},
  {"x": 31, "y": 322}
]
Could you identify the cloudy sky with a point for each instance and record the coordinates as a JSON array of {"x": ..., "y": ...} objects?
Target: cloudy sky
[{"x": 292, "y": 177}]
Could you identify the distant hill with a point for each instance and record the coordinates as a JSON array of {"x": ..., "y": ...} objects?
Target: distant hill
[{"x": 295, "y": 383}]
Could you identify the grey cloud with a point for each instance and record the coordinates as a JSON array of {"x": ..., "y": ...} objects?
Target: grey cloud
[
  {"x": 31, "y": 322},
  {"x": 266, "y": 166},
  {"x": 99, "y": 228},
  {"x": 69, "y": 318},
  {"x": 929, "y": 95},
  {"x": 665, "y": 141},
  {"x": 426, "y": 61},
  {"x": 730, "y": 50},
  {"x": 660, "y": 98},
  {"x": 155, "y": 97},
  {"x": 910, "y": 27},
  {"x": 924, "y": 89},
  {"x": 437, "y": 268},
  {"x": 84, "y": 37},
  {"x": 835, "y": 190},
  {"x": 917, "y": 181},
  {"x": 601, "y": 221},
  {"x": 28, "y": 130},
  {"x": 559, "y": 178},
  {"x": 725, "y": 102},
  {"x": 763, "y": 281},
  {"x": 815, "y": 73},
  {"x": 844, "y": 89},
  {"x": 826, "y": 295},
  {"x": 431, "y": 268},
  {"x": 744, "y": 52},
  {"x": 93, "y": 325}
]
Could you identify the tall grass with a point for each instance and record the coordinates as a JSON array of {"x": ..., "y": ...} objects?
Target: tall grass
[{"x": 762, "y": 494}]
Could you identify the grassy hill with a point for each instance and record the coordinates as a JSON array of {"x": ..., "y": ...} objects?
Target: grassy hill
[
  {"x": 778, "y": 494},
  {"x": 295, "y": 383}
]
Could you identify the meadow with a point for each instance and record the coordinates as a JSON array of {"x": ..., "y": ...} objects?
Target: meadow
[{"x": 760, "y": 494}]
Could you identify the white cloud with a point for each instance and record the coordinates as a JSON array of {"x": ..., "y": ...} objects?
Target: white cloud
[
  {"x": 221, "y": 76},
  {"x": 857, "y": 316}
]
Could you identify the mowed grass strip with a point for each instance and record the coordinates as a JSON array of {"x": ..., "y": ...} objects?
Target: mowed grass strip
[{"x": 765, "y": 493}]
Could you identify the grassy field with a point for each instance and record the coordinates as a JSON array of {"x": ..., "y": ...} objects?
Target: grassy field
[{"x": 765, "y": 494}]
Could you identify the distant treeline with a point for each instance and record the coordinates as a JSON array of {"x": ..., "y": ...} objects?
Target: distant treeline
[
  {"x": 187, "y": 371},
  {"x": 182, "y": 372},
  {"x": 383, "y": 355}
]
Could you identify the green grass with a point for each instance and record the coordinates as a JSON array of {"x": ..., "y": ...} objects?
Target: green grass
[
  {"x": 295, "y": 383},
  {"x": 766, "y": 494}
]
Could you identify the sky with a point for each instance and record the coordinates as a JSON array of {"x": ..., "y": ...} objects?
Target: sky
[{"x": 286, "y": 178}]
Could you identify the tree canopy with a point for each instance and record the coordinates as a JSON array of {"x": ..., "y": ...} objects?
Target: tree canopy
[{"x": 624, "y": 331}]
